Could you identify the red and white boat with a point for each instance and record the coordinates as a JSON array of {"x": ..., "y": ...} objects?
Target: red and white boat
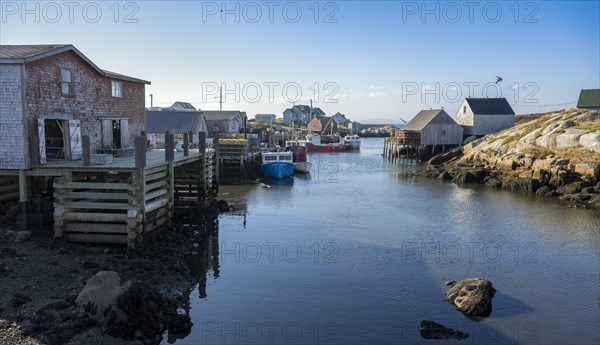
[
  {"x": 298, "y": 149},
  {"x": 313, "y": 143}
]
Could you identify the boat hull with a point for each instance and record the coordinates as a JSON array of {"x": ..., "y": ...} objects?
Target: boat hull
[
  {"x": 302, "y": 167},
  {"x": 353, "y": 145},
  {"x": 326, "y": 147},
  {"x": 278, "y": 169}
]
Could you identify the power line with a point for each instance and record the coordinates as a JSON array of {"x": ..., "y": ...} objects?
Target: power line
[{"x": 542, "y": 105}]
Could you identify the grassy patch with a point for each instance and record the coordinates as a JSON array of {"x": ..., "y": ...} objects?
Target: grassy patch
[
  {"x": 591, "y": 126},
  {"x": 578, "y": 155},
  {"x": 538, "y": 151}
]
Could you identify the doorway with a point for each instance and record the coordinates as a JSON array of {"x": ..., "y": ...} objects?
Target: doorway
[{"x": 55, "y": 139}]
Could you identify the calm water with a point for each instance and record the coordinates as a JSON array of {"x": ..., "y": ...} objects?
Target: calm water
[{"x": 359, "y": 252}]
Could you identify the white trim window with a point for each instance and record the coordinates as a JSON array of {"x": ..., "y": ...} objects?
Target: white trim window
[
  {"x": 66, "y": 82},
  {"x": 117, "y": 89}
]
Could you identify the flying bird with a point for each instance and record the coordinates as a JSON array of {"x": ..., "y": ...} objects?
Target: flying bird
[{"x": 498, "y": 79}]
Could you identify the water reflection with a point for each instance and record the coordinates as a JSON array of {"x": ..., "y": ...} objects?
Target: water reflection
[{"x": 204, "y": 262}]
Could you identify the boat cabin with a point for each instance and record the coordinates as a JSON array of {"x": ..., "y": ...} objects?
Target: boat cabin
[{"x": 274, "y": 157}]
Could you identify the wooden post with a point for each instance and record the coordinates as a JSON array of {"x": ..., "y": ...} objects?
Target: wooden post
[
  {"x": 34, "y": 144},
  {"x": 186, "y": 144},
  {"x": 169, "y": 147},
  {"x": 22, "y": 205},
  {"x": 202, "y": 142},
  {"x": 217, "y": 158},
  {"x": 140, "y": 151},
  {"x": 86, "y": 150}
]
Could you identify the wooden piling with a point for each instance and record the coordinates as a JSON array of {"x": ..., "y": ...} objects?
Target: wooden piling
[
  {"x": 86, "y": 151},
  {"x": 186, "y": 145}
]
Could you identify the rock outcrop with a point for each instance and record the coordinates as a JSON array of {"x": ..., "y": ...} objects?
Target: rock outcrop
[
  {"x": 434, "y": 330},
  {"x": 556, "y": 155},
  {"x": 472, "y": 296},
  {"x": 129, "y": 308}
]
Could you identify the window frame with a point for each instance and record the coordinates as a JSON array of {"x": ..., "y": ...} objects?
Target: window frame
[
  {"x": 116, "y": 89},
  {"x": 63, "y": 83}
]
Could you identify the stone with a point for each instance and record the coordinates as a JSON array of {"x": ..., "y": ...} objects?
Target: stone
[
  {"x": 545, "y": 191},
  {"x": 472, "y": 296},
  {"x": 434, "y": 330},
  {"x": 470, "y": 139},
  {"x": 446, "y": 156},
  {"x": 572, "y": 188},
  {"x": 494, "y": 183},
  {"x": 100, "y": 294},
  {"x": 22, "y": 235},
  {"x": 588, "y": 169},
  {"x": 591, "y": 141},
  {"x": 570, "y": 138}
]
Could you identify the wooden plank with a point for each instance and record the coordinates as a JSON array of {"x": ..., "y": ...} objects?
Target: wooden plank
[
  {"x": 95, "y": 217},
  {"x": 4, "y": 197},
  {"x": 96, "y": 238},
  {"x": 155, "y": 176},
  {"x": 104, "y": 228},
  {"x": 151, "y": 206},
  {"x": 96, "y": 205},
  {"x": 9, "y": 188},
  {"x": 155, "y": 224},
  {"x": 155, "y": 185},
  {"x": 95, "y": 185},
  {"x": 156, "y": 194},
  {"x": 91, "y": 195}
]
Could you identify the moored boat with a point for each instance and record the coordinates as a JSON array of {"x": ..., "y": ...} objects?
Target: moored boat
[
  {"x": 314, "y": 143},
  {"x": 352, "y": 141},
  {"x": 299, "y": 151},
  {"x": 277, "y": 164}
]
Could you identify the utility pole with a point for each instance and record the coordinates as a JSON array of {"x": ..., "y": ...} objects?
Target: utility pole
[
  {"x": 220, "y": 98},
  {"x": 151, "y": 100}
]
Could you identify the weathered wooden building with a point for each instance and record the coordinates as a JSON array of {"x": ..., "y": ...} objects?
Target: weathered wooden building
[
  {"x": 57, "y": 93},
  {"x": 481, "y": 116},
  {"x": 176, "y": 122},
  {"x": 58, "y": 111},
  {"x": 227, "y": 121},
  {"x": 429, "y": 132},
  {"x": 432, "y": 127}
]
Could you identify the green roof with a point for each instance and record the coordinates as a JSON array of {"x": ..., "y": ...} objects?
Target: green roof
[{"x": 589, "y": 99}]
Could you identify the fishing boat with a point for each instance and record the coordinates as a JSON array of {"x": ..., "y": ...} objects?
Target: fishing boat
[
  {"x": 352, "y": 141},
  {"x": 277, "y": 164},
  {"x": 314, "y": 142},
  {"x": 299, "y": 150}
]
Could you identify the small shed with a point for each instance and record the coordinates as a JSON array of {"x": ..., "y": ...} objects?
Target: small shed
[
  {"x": 481, "y": 116},
  {"x": 589, "y": 99},
  {"x": 176, "y": 122},
  {"x": 228, "y": 121},
  {"x": 434, "y": 127}
]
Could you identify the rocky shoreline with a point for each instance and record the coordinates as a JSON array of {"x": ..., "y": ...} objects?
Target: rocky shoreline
[
  {"x": 556, "y": 155},
  {"x": 42, "y": 278}
]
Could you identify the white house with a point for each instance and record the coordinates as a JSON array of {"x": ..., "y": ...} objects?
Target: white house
[{"x": 481, "y": 116}]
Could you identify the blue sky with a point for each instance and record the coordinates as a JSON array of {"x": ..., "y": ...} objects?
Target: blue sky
[{"x": 376, "y": 59}]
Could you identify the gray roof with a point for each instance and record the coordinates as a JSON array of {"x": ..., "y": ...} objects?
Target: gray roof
[
  {"x": 305, "y": 109},
  {"x": 425, "y": 117},
  {"x": 217, "y": 115},
  {"x": 18, "y": 54},
  {"x": 589, "y": 99},
  {"x": 183, "y": 106},
  {"x": 490, "y": 106},
  {"x": 173, "y": 121}
]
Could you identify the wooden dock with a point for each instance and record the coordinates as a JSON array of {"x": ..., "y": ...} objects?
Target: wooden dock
[{"x": 125, "y": 200}]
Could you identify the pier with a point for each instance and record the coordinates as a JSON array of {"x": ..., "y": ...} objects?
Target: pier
[{"x": 119, "y": 200}]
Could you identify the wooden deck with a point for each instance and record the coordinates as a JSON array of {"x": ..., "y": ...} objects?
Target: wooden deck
[{"x": 122, "y": 203}]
